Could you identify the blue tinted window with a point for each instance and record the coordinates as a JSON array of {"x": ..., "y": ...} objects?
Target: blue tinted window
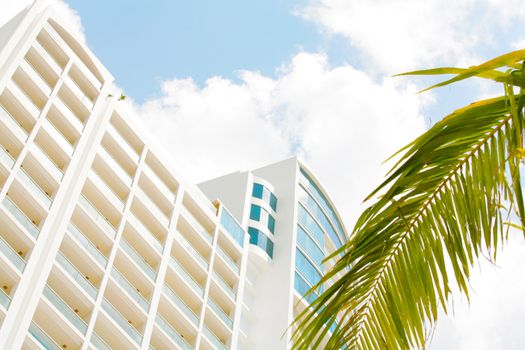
[
  {"x": 255, "y": 212},
  {"x": 302, "y": 287},
  {"x": 310, "y": 247},
  {"x": 271, "y": 223},
  {"x": 310, "y": 184},
  {"x": 318, "y": 213},
  {"x": 257, "y": 190},
  {"x": 305, "y": 267},
  {"x": 232, "y": 226},
  {"x": 261, "y": 240},
  {"x": 273, "y": 202},
  {"x": 261, "y": 192},
  {"x": 311, "y": 226}
]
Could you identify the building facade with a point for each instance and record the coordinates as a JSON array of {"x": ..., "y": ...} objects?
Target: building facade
[{"x": 104, "y": 246}]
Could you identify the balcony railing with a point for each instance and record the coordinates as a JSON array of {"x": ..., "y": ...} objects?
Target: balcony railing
[
  {"x": 130, "y": 289},
  {"x": 200, "y": 259},
  {"x": 11, "y": 255},
  {"x": 5, "y": 156},
  {"x": 56, "y": 172},
  {"x": 21, "y": 217},
  {"x": 181, "y": 304},
  {"x": 76, "y": 275},
  {"x": 172, "y": 333},
  {"x": 153, "y": 207},
  {"x": 34, "y": 188},
  {"x": 225, "y": 286},
  {"x": 5, "y": 300},
  {"x": 197, "y": 225},
  {"x": 97, "y": 216},
  {"x": 232, "y": 226},
  {"x": 65, "y": 310},
  {"x": 86, "y": 243},
  {"x": 121, "y": 321},
  {"x": 98, "y": 343},
  {"x": 13, "y": 124},
  {"x": 42, "y": 338},
  {"x": 138, "y": 259},
  {"x": 220, "y": 312},
  {"x": 115, "y": 166},
  {"x": 229, "y": 260},
  {"x": 146, "y": 233},
  {"x": 186, "y": 276},
  {"x": 217, "y": 343}
]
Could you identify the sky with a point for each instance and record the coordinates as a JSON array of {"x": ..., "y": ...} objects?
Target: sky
[{"x": 234, "y": 85}]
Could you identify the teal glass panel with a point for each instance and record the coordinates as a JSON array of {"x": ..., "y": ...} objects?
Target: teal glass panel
[
  {"x": 302, "y": 287},
  {"x": 318, "y": 194},
  {"x": 232, "y": 226},
  {"x": 321, "y": 217},
  {"x": 305, "y": 267},
  {"x": 310, "y": 225},
  {"x": 307, "y": 243},
  {"x": 271, "y": 223},
  {"x": 273, "y": 201},
  {"x": 257, "y": 190},
  {"x": 255, "y": 212},
  {"x": 261, "y": 240}
]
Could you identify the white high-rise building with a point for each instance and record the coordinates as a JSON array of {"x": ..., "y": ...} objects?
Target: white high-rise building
[{"x": 104, "y": 246}]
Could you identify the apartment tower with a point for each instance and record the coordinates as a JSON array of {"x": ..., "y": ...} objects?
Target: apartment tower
[{"x": 104, "y": 246}]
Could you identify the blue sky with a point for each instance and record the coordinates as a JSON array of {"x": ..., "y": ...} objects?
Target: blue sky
[
  {"x": 197, "y": 39},
  {"x": 233, "y": 85}
]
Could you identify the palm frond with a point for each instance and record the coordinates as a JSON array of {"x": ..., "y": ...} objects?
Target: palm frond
[{"x": 446, "y": 201}]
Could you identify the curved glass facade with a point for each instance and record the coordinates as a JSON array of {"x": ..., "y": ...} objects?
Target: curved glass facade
[
  {"x": 259, "y": 239},
  {"x": 260, "y": 214},
  {"x": 261, "y": 192},
  {"x": 317, "y": 223}
]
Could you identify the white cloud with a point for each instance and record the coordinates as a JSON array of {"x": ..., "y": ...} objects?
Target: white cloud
[
  {"x": 494, "y": 318},
  {"x": 400, "y": 35},
  {"x": 10, "y": 8},
  {"x": 342, "y": 123}
]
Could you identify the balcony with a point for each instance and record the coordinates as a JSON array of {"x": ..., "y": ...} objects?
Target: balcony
[
  {"x": 130, "y": 290},
  {"x": 86, "y": 243},
  {"x": 153, "y": 208},
  {"x": 21, "y": 218},
  {"x": 138, "y": 259},
  {"x": 220, "y": 313},
  {"x": 145, "y": 232},
  {"x": 176, "y": 300},
  {"x": 41, "y": 337},
  {"x": 65, "y": 310},
  {"x": 48, "y": 164},
  {"x": 59, "y": 138},
  {"x": 115, "y": 166},
  {"x": 159, "y": 184},
  {"x": 194, "y": 253},
  {"x": 12, "y": 256},
  {"x": 98, "y": 343},
  {"x": 13, "y": 125},
  {"x": 97, "y": 216},
  {"x": 5, "y": 157},
  {"x": 107, "y": 191},
  {"x": 217, "y": 343},
  {"x": 232, "y": 226},
  {"x": 76, "y": 275},
  {"x": 224, "y": 285},
  {"x": 5, "y": 300},
  {"x": 121, "y": 321},
  {"x": 196, "y": 225},
  {"x": 228, "y": 259},
  {"x": 34, "y": 188},
  {"x": 69, "y": 115},
  {"x": 186, "y": 276},
  {"x": 172, "y": 333}
]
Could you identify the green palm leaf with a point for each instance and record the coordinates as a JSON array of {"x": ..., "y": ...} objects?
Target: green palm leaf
[{"x": 445, "y": 202}]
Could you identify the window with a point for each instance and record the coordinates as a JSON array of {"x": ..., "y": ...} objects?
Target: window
[
  {"x": 259, "y": 239},
  {"x": 261, "y": 192}
]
